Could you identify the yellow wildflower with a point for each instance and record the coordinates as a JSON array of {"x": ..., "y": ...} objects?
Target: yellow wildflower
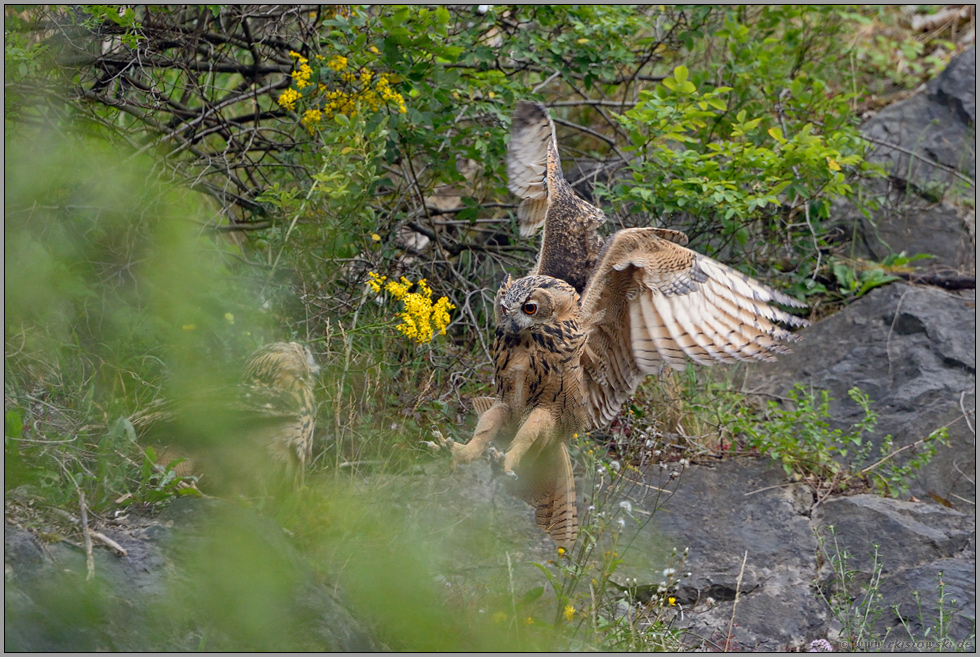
[
  {"x": 373, "y": 49},
  {"x": 569, "y": 612},
  {"x": 338, "y": 63},
  {"x": 672, "y": 601},
  {"x": 288, "y": 98},
  {"x": 420, "y": 318},
  {"x": 311, "y": 117},
  {"x": 302, "y": 75},
  {"x": 376, "y": 282}
]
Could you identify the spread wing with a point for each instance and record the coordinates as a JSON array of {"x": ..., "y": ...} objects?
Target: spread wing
[
  {"x": 531, "y": 131},
  {"x": 652, "y": 301},
  {"x": 570, "y": 245},
  {"x": 274, "y": 402}
]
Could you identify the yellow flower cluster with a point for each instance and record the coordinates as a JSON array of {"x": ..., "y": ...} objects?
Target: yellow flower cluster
[
  {"x": 421, "y": 318},
  {"x": 288, "y": 98},
  {"x": 301, "y": 76},
  {"x": 363, "y": 88},
  {"x": 311, "y": 117}
]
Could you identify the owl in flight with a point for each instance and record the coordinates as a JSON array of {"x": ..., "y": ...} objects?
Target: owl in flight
[
  {"x": 272, "y": 409},
  {"x": 576, "y": 336}
]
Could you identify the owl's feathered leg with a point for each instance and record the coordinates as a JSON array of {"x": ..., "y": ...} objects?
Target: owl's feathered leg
[
  {"x": 490, "y": 424},
  {"x": 538, "y": 425},
  {"x": 544, "y": 479}
]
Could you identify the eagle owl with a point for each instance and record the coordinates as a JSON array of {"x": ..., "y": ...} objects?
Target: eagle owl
[
  {"x": 273, "y": 409},
  {"x": 577, "y": 335}
]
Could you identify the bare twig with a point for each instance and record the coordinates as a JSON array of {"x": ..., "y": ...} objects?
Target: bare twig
[
  {"x": 939, "y": 165},
  {"x": 89, "y": 557},
  {"x": 738, "y": 587}
]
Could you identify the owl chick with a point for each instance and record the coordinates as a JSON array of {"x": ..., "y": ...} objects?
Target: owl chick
[
  {"x": 273, "y": 409},
  {"x": 576, "y": 337}
]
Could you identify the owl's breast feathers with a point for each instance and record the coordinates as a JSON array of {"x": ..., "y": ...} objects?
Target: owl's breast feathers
[{"x": 540, "y": 368}]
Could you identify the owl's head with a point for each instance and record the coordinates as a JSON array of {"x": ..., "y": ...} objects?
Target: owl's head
[{"x": 533, "y": 301}]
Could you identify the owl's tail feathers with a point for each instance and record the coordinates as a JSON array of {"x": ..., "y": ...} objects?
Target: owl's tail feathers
[{"x": 550, "y": 489}]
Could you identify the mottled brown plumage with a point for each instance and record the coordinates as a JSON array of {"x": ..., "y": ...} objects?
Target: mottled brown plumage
[
  {"x": 273, "y": 408},
  {"x": 570, "y": 245},
  {"x": 577, "y": 336}
]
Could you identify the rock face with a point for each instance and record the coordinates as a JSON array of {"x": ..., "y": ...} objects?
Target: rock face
[
  {"x": 221, "y": 598},
  {"x": 913, "y": 351},
  {"x": 746, "y": 509},
  {"x": 920, "y": 212}
]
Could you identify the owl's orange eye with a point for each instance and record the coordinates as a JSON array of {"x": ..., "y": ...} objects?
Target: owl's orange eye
[{"x": 530, "y": 308}]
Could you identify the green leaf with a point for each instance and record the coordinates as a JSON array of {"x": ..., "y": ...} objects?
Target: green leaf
[
  {"x": 532, "y": 595},
  {"x": 13, "y": 423},
  {"x": 681, "y": 73}
]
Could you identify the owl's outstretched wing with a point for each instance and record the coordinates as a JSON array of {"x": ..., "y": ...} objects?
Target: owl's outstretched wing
[
  {"x": 570, "y": 245},
  {"x": 274, "y": 403},
  {"x": 652, "y": 301},
  {"x": 531, "y": 132}
]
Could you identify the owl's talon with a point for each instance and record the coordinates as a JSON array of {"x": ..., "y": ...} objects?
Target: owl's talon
[
  {"x": 495, "y": 455},
  {"x": 441, "y": 443}
]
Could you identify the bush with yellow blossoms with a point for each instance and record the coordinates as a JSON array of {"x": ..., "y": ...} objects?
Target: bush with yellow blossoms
[
  {"x": 421, "y": 318},
  {"x": 333, "y": 86}
]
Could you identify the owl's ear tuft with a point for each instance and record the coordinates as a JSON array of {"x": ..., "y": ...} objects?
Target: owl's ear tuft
[{"x": 504, "y": 284}]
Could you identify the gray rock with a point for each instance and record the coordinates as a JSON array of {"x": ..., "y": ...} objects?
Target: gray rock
[
  {"x": 956, "y": 86},
  {"x": 913, "y": 351},
  {"x": 917, "y": 213},
  {"x": 737, "y": 508},
  {"x": 907, "y": 533},
  {"x": 911, "y": 542},
  {"x": 913, "y": 224},
  {"x": 937, "y": 124},
  {"x": 205, "y": 575},
  {"x": 957, "y": 610}
]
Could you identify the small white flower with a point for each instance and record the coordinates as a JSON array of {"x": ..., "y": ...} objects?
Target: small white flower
[
  {"x": 820, "y": 645},
  {"x": 615, "y": 465},
  {"x": 625, "y": 505},
  {"x": 621, "y": 522},
  {"x": 484, "y": 8},
  {"x": 668, "y": 572},
  {"x": 684, "y": 463}
]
